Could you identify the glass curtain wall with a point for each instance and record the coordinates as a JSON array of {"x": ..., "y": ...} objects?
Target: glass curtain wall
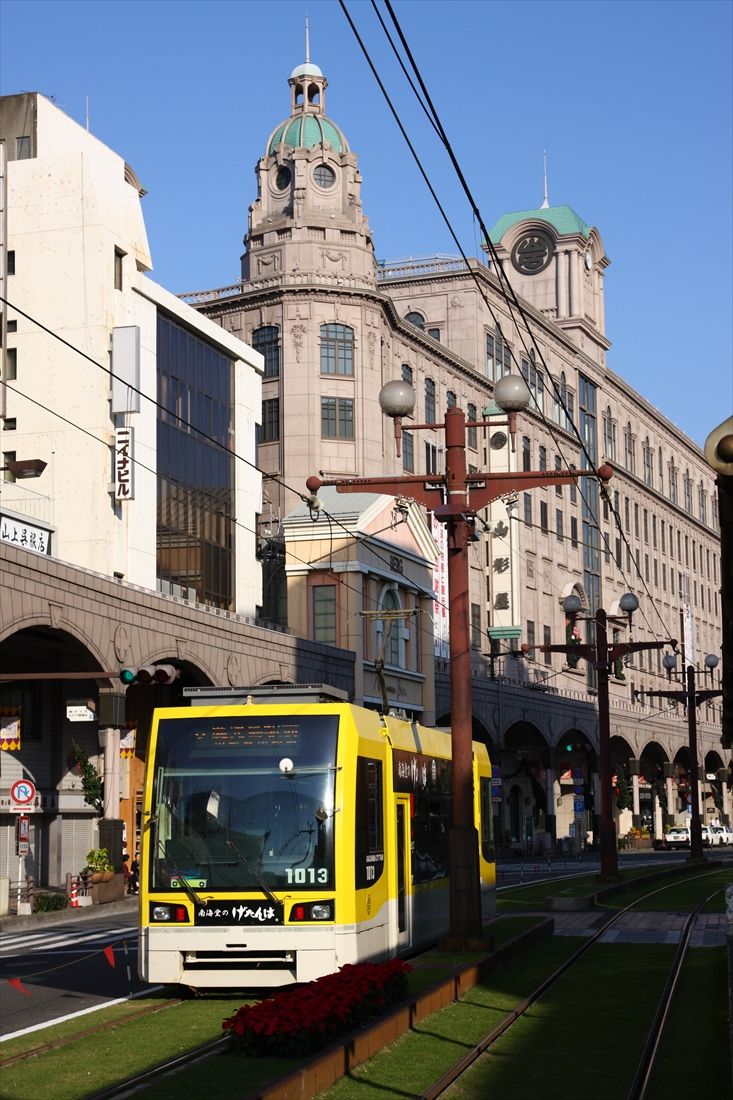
[{"x": 195, "y": 476}]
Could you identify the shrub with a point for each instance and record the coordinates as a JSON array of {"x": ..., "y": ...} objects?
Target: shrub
[
  {"x": 98, "y": 860},
  {"x": 49, "y": 903},
  {"x": 300, "y": 1021}
]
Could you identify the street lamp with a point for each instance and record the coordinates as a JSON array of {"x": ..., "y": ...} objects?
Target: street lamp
[
  {"x": 601, "y": 656},
  {"x": 455, "y": 497},
  {"x": 691, "y": 699},
  {"x": 22, "y": 468}
]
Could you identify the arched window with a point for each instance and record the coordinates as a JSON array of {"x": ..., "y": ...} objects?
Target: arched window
[
  {"x": 450, "y": 399},
  {"x": 337, "y": 349},
  {"x": 429, "y": 401},
  {"x": 266, "y": 340},
  {"x": 415, "y": 319},
  {"x": 526, "y": 453},
  {"x": 407, "y": 373}
]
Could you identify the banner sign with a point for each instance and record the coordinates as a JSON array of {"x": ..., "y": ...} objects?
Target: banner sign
[
  {"x": 238, "y": 911},
  {"x": 10, "y": 728},
  {"x": 124, "y": 464}
]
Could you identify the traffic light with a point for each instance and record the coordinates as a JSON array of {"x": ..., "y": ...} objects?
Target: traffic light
[{"x": 149, "y": 674}]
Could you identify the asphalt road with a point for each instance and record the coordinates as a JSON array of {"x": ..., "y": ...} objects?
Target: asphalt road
[{"x": 48, "y": 972}]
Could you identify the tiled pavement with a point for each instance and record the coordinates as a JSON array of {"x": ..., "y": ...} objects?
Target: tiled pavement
[{"x": 644, "y": 927}]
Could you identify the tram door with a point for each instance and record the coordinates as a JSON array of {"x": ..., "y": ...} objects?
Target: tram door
[{"x": 404, "y": 873}]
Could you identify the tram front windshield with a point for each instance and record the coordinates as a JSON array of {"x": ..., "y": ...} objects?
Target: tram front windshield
[{"x": 243, "y": 803}]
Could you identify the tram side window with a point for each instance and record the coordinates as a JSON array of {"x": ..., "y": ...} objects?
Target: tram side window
[
  {"x": 369, "y": 817},
  {"x": 487, "y": 821},
  {"x": 430, "y": 826}
]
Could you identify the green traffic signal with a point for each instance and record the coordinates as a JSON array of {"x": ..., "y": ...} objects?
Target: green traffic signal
[{"x": 128, "y": 675}]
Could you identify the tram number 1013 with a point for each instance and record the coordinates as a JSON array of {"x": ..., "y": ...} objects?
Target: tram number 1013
[{"x": 302, "y": 875}]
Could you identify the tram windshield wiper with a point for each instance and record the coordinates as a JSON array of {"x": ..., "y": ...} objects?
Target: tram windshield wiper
[{"x": 254, "y": 872}]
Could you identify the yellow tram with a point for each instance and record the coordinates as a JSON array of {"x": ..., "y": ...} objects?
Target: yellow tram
[{"x": 284, "y": 839}]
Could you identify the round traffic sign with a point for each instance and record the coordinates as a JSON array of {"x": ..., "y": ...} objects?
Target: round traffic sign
[{"x": 23, "y": 792}]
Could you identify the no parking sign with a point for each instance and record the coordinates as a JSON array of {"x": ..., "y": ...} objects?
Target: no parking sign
[{"x": 22, "y": 796}]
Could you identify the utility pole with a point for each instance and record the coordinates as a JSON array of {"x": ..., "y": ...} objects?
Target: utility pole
[
  {"x": 455, "y": 497},
  {"x": 601, "y": 656},
  {"x": 691, "y": 699}
]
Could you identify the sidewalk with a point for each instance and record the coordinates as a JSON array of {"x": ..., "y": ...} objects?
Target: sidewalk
[{"x": 128, "y": 904}]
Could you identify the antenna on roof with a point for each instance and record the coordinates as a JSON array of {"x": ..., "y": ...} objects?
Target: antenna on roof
[
  {"x": 87, "y": 112},
  {"x": 545, "y": 200},
  {"x": 307, "y": 43}
]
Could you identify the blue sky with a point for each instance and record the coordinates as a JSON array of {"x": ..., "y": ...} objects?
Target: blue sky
[{"x": 631, "y": 100}]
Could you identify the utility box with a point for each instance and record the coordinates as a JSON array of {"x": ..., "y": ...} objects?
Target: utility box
[{"x": 4, "y": 895}]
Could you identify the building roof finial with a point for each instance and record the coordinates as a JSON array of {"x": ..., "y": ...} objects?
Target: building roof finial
[
  {"x": 307, "y": 43},
  {"x": 545, "y": 200}
]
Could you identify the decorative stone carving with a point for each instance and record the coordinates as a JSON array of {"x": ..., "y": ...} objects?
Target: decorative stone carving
[
  {"x": 333, "y": 257},
  {"x": 234, "y": 671},
  {"x": 298, "y": 334},
  {"x": 271, "y": 261},
  {"x": 372, "y": 344},
  {"x": 121, "y": 642},
  {"x": 55, "y": 613}
]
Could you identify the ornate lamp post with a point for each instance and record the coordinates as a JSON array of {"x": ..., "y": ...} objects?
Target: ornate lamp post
[
  {"x": 455, "y": 497},
  {"x": 690, "y": 698},
  {"x": 601, "y": 656}
]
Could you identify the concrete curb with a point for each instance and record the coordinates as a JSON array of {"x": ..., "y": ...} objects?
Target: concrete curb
[{"x": 36, "y": 921}]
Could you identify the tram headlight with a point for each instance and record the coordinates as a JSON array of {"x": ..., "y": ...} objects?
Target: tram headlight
[
  {"x": 171, "y": 914},
  {"x": 315, "y": 910}
]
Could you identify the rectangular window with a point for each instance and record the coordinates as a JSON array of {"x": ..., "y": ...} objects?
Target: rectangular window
[
  {"x": 431, "y": 458},
  {"x": 337, "y": 350},
  {"x": 435, "y": 333},
  {"x": 10, "y": 370},
  {"x": 11, "y": 261},
  {"x": 573, "y": 489},
  {"x": 654, "y": 532},
  {"x": 530, "y": 640},
  {"x": 22, "y": 148},
  {"x": 573, "y": 531},
  {"x": 490, "y": 357},
  {"x": 270, "y": 430},
  {"x": 618, "y": 555},
  {"x": 408, "y": 452},
  {"x": 544, "y": 523},
  {"x": 429, "y": 401},
  {"x": 528, "y": 509},
  {"x": 547, "y": 640},
  {"x": 119, "y": 256},
  {"x": 558, "y": 467},
  {"x": 636, "y": 520},
  {"x": 266, "y": 340},
  {"x": 475, "y": 626},
  {"x": 543, "y": 458},
  {"x": 337, "y": 418},
  {"x": 471, "y": 433},
  {"x": 559, "y": 524},
  {"x": 324, "y": 613}
]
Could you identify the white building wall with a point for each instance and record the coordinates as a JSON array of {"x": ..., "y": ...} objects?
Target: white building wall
[{"x": 69, "y": 208}]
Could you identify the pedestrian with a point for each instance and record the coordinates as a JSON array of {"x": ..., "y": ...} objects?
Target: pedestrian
[
  {"x": 126, "y": 873},
  {"x": 133, "y": 887}
]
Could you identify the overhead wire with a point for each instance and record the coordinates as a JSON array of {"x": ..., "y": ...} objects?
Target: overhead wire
[{"x": 502, "y": 277}]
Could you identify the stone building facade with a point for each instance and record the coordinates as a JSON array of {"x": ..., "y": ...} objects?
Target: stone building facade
[{"x": 334, "y": 327}]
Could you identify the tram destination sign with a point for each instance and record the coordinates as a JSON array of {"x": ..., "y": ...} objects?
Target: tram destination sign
[{"x": 238, "y": 911}]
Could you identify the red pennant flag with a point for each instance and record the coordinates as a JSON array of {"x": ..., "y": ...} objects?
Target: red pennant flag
[
  {"x": 109, "y": 954},
  {"x": 18, "y": 984}
]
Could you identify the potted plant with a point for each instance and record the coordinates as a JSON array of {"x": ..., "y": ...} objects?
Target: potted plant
[{"x": 98, "y": 862}]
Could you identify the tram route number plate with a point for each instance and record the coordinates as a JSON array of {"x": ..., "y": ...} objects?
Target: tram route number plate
[{"x": 238, "y": 911}]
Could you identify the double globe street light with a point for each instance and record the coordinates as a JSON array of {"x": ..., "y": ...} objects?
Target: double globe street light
[{"x": 454, "y": 498}]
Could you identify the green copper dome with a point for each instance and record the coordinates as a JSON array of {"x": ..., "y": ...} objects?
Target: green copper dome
[
  {"x": 563, "y": 218},
  {"x": 303, "y": 131}
]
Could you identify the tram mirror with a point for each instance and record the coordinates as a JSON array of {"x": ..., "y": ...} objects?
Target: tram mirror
[{"x": 321, "y": 814}]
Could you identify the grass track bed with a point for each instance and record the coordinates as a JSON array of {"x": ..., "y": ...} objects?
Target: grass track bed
[{"x": 679, "y": 896}]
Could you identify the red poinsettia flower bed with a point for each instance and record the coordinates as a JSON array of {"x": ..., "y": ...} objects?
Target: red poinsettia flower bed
[{"x": 301, "y": 1020}]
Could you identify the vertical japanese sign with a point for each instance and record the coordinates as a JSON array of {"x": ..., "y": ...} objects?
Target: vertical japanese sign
[
  {"x": 124, "y": 464},
  {"x": 441, "y": 614},
  {"x": 10, "y": 728}
]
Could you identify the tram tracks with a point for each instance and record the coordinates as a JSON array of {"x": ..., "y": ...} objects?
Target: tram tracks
[
  {"x": 645, "y": 1067},
  {"x": 219, "y": 1046}
]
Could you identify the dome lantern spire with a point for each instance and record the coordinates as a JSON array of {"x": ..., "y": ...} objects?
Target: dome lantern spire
[{"x": 308, "y": 85}]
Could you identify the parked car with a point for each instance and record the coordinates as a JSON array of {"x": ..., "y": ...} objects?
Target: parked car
[
  {"x": 722, "y": 835},
  {"x": 678, "y": 837}
]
